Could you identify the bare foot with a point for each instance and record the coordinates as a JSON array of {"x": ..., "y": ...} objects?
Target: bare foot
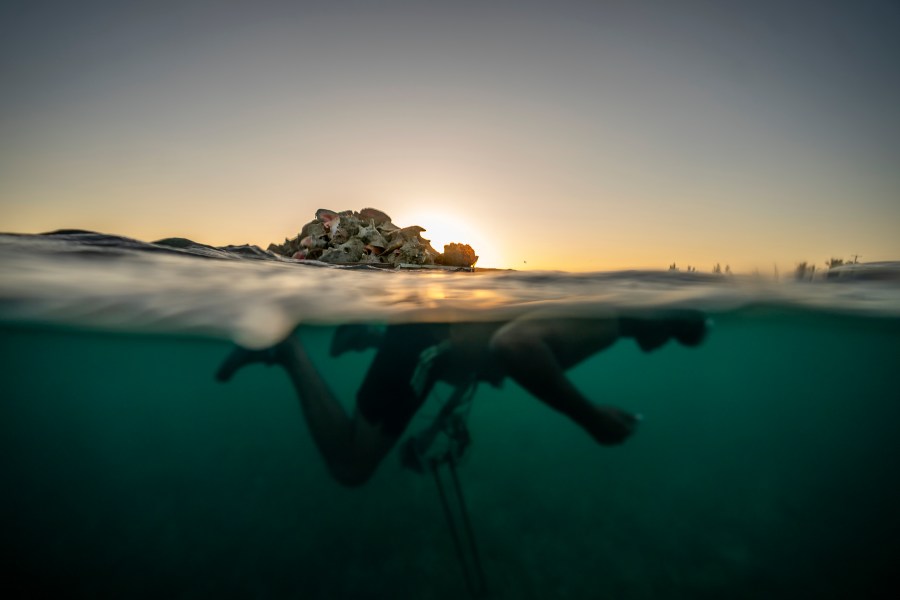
[
  {"x": 241, "y": 357},
  {"x": 354, "y": 337},
  {"x": 279, "y": 354},
  {"x": 610, "y": 425}
]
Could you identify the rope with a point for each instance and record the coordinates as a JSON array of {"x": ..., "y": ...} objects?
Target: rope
[
  {"x": 481, "y": 588},
  {"x": 473, "y": 573},
  {"x": 417, "y": 453}
]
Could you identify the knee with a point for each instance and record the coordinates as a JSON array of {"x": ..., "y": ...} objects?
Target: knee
[{"x": 512, "y": 340}]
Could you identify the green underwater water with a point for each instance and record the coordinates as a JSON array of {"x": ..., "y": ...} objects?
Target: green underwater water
[{"x": 766, "y": 467}]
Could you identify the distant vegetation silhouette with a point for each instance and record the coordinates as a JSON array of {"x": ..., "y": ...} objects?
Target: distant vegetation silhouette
[
  {"x": 807, "y": 272},
  {"x": 804, "y": 271},
  {"x": 691, "y": 269}
]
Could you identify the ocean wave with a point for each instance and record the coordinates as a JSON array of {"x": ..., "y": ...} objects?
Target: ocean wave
[{"x": 243, "y": 293}]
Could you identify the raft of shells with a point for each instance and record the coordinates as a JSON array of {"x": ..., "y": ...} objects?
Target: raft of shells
[{"x": 368, "y": 237}]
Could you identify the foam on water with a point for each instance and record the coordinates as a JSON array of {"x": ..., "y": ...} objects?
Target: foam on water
[{"x": 255, "y": 298}]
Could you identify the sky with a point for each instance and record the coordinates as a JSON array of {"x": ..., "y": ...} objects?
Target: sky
[{"x": 548, "y": 135}]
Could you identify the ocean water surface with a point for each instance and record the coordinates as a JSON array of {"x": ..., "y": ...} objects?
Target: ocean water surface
[{"x": 765, "y": 467}]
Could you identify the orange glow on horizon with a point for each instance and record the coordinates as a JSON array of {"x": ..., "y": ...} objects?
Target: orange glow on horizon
[{"x": 442, "y": 228}]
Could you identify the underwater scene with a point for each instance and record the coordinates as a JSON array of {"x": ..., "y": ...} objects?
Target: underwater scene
[{"x": 764, "y": 463}]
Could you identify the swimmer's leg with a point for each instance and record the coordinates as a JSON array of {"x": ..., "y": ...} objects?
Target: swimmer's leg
[
  {"x": 355, "y": 337},
  {"x": 536, "y": 353},
  {"x": 351, "y": 446},
  {"x": 241, "y": 357}
]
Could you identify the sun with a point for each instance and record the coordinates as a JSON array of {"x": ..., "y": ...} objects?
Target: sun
[{"x": 442, "y": 228}]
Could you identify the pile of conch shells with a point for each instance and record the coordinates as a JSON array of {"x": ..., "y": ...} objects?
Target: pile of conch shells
[{"x": 368, "y": 237}]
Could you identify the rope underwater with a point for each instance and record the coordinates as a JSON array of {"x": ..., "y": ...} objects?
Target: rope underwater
[{"x": 417, "y": 453}]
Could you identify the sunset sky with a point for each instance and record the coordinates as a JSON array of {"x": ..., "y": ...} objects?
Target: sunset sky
[{"x": 556, "y": 135}]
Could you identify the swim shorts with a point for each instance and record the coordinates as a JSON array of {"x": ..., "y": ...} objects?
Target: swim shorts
[{"x": 386, "y": 397}]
